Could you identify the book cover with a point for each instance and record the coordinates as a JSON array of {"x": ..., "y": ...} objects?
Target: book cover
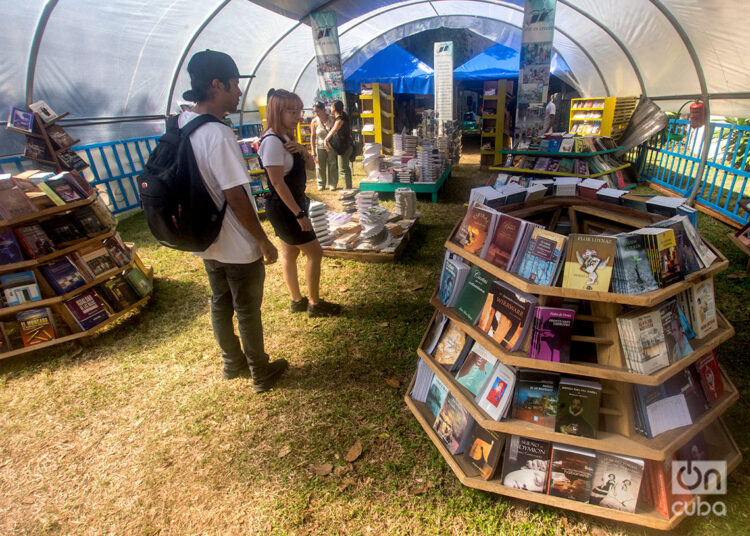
[
  {"x": 507, "y": 234},
  {"x": 589, "y": 261},
  {"x": 20, "y": 120},
  {"x": 506, "y": 315},
  {"x": 648, "y": 351},
  {"x": 616, "y": 482},
  {"x": 435, "y": 396},
  {"x": 551, "y": 334},
  {"x": 450, "y": 345},
  {"x": 20, "y": 287},
  {"x": 571, "y": 472},
  {"x": 44, "y": 111},
  {"x": 667, "y": 258},
  {"x": 10, "y": 252},
  {"x": 138, "y": 281},
  {"x": 62, "y": 231},
  {"x": 34, "y": 240},
  {"x": 119, "y": 251},
  {"x": 451, "y": 280},
  {"x": 58, "y": 135},
  {"x": 62, "y": 276},
  {"x": 70, "y": 159},
  {"x": 36, "y": 326},
  {"x": 473, "y": 294},
  {"x": 65, "y": 190},
  {"x": 633, "y": 273},
  {"x": 578, "y": 407},
  {"x": 678, "y": 345},
  {"x": 36, "y": 149},
  {"x": 526, "y": 464},
  {"x": 703, "y": 315},
  {"x": 710, "y": 377},
  {"x": 87, "y": 309},
  {"x": 13, "y": 202},
  {"x": 435, "y": 331},
  {"x": 541, "y": 258},
  {"x": 535, "y": 399},
  {"x": 476, "y": 369},
  {"x": 453, "y": 424},
  {"x": 422, "y": 381},
  {"x": 483, "y": 450},
  {"x": 86, "y": 219},
  {"x": 497, "y": 395},
  {"x": 51, "y": 194},
  {"x": 96, "y": 258},
  {"x": 476, "y": 229},
  {"x": 118, "y": 293}
]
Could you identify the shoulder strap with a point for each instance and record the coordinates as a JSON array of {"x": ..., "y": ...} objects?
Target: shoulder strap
[
  {"x": 199, "y": 121},
  {"x": 269, "y": 136}
]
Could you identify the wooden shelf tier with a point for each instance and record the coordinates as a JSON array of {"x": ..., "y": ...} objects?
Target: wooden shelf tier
[
  {"x": 557, "y": 173},
  {"x": 644, "y": 515},
  {"x": 564, "y": 155},
  {"x": 48, "y": 212}
]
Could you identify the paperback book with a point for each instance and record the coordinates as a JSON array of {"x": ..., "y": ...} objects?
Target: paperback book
[
  {"x": 95, "y": 260},
  {"x": 452, "y": 280},
  {"x": 450, "y": 346},
  {"x": 63, "y": 231},
  {"x": 710, "y": 377},
  {"x": 13, "y": 201},
  {"x": 643, "y": 340},
  {"x": 138, "y": 281},
  {"x": 10, "y": 252},
  {"x": 505, "y": 239},
  {"x": 44, "y": 111},
  {"x": 435, "y": 396},
  {"x": 541, "y": 259},
  {"x": 588, "y": 263},
  {"x": 578, "y": 407},
  {"x": 119, "y": 294},
  {"x": 87, "y": 309},
  {"x": 571, "y": 472},
  {"x": 62, "y": 276},
  {"x": 422, "y": 381},
  {"x": 20, "y": 287},
  {"x": 507, "y": 314},
  {"x": 551, "y": 334},
  {"x": 453, "y": 424},
  {"x": 476, "y": 229},
  {"x": 34, "y": 240},
  {"x": 36, "y": 326},
  {"x": 617, "y": 481},
  {"x": 473, "y": 294},
  {"x": 632, "y": 271},
  {"x": 497, "y": 395},
  {"x": 700, "y": 307},
  {"x": 20, "y": 120},
  {"x": 526, "y": 464},
  {"x": 476, "y": 369},
  {"x": 535, "y": 398},
  {"x": 483, "y": 450}
]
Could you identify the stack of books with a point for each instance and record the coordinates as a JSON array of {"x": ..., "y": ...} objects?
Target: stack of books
[{"x": 317, "y": 212}]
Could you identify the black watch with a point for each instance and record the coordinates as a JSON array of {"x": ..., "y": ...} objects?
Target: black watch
[{"x": 301, "y": 214}]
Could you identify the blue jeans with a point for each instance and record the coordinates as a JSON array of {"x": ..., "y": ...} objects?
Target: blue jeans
[{"x": 238, "y": 288}]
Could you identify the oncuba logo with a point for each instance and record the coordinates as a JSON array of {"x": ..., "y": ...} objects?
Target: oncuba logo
[{"x": 699, "y": 478}]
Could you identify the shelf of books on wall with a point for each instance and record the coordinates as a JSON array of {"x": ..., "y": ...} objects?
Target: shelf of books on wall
[
  {"x": 377, "y": 112},
  {"x": 493, "y": 122},
  {"x": 64, "y": 270},
  {"x": 258, "y": 177},
  {"x": 539, "y": 376},
  {"x": 303, "y": 131},
  {"x": 601, "y": 116}
]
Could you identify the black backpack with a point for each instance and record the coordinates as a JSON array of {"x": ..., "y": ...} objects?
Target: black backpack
[{"x": 179, "y": 209}]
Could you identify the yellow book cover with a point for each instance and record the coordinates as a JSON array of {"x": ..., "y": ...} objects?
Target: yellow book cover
[{"x": 589, "y": 262}]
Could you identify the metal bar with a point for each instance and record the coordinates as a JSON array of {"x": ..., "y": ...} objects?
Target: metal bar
[
  {"x": 34, "y": 51},
  {"x": 694, "y": 96}
]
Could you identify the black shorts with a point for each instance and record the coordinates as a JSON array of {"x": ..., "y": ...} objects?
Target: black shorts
[{"x": 284, "y": 223}]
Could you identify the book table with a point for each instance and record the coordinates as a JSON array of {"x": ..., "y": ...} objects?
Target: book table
[{"x": 419, "y": 187}]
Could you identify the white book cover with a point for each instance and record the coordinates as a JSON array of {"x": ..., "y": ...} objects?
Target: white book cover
[{"x": 497, "y": 394}]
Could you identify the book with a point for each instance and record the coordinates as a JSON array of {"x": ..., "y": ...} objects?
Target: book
[
  {"x": 95, "y": 260},
  {"x": 10, "y": 251},
  {"x": 497, "y": 395},
  {"x": 450, "y": 346},
  {"x": 119, "y": 251},
  {"x": 541, "y": 259},
  {"x": 70, "y": 160},
  {"x": 508, "y": 233},
  {"x": 43, "y": 110},
  {"x": 473, "y": 294},
  {"x": 87, "y": 221},
  {"x": 34, "y": 241},
  {"x": 59, "y": 136},
  {"x": 701, "y": 305},
  {"x": 632, "y": 271},
  {"x": 20, "y": 120},
  {"x": 689, "y": 260},
  {"x": 13, "y": 201},
  {"x": 675, "y": 337},
  {"x": 507, "y": 314},
  {"x": 483, "y": 450},
  {"x": 62, "y": 231},
  {"x": 138, "y": 281},
  {"x": 663, "y": 255},
  {"x": 643, "y": 340},
  {"x": 476, "y": 369},
  {"x": 707, "y": 368},
  {"x": 36, "y": 326},
  {"x": 571, "y": 472},
  {"x": 36, "y": 149},
  {"x": 453, "y": 424},
  {"x": 476, "y": 229},
  {"x": 452, "y": 280},
  {"x": 551, "y": 334},
  {"x": 20, "y": 287},
  {"x": 616, "y": 482},
  {"x": 65, "y": 190},
  {"x": 435, "y": 396},
  {"x": 526, "y": 464},
  {"x": 5, "y": 345},
  {"x": 87, "y": 309},
  {"x": 535, "y": 398},
  {"x": 51, "y": 194},
  {"x": 435, "y": 331},
  {"x": 62, "y": 276},
  {"x": 118, "y": 293},
  {"x": 589, "y": 261},
  {"x": 578, "y": 407},
  {"x": 422, "y": 381}
]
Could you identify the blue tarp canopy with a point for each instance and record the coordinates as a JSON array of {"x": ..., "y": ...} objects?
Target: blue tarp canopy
[
  {"x": 394, "y": 65},
  {"x": 495, "y": 63}
]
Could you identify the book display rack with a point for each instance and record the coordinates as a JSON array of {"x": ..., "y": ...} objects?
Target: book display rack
[
  {"x": 377, "y": 115},
  {"x": 601, "y": 117},
  {"x": 303, "y": 131},
  {"x": 493, "y": 122},
  {"x": 594, "y": 329}
]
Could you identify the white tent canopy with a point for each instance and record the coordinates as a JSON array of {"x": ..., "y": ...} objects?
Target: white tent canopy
[{"x": 122, "y": 63}]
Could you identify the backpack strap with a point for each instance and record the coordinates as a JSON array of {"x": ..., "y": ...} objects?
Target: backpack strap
[{"x": 199, "y": 121}]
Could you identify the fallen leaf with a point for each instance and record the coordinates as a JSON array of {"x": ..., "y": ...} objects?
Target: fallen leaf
[
  {"x": 419, "y": 490},
  {"x": 736, "y": 276},
  {"x": 394, "y": 382},
  {"x": 322, "y": 469},
  {"x": 341, "y": 470},
  {"x": 384, "y": 324},
  {"x": 343, "y": 289},
  {"x": 354, "y": 452},
  {"x": 414, "y": 289},
  {"x": 284, "y": 451}
]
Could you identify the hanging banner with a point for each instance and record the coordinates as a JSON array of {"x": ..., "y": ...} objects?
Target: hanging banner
[
  {"x": 326, "y": 43},
  {"x": 533, "y": 77},
  {"x": 443, "y": 55}
]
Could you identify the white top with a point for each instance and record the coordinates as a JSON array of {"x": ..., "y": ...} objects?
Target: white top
[
  {"x": 549, "y": 111},
  {"x": 222, "y": 167},
  {"x": 272, "y": 152}
]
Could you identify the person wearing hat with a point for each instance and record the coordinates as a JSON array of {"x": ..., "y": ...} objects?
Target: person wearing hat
[{"x": 235, "y": 261}]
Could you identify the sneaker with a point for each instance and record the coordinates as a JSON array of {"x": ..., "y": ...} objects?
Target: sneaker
[
  {"x": 229, "y": 374},
  {"x": 323, "y": 308},
  {"x": 271, "y": 374},
  {"x": 298, "y": 306}
]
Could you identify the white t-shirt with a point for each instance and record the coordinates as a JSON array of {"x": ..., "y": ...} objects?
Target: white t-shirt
[
  {"x": 222, "y": 167},
  {"x": 549, "y": 111},
  {"x": 272, "y": 152}
]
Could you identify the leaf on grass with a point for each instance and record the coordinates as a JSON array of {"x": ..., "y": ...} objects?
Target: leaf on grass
[
  {"x": 419, "y": 490},
  {"x": 394, "y": 382},
  {"x": 418, "y": 287},
  {"x": 354, "y": 452},
  {"x": 346, "y": 483},
  {"x": 340, "y": 470},
  {"x": 384, "y": 324},
  {"x": 284, "y": 451},
  {"x": 322, "y": 469}
]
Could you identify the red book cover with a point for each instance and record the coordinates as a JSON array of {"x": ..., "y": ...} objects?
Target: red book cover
[
  {"x": 708, "y": 370},
  {"x": 504, "y": 239},
  {"x": 34, "y": 240},
  {"x": 36, "y": 326},
  {"x": 475, "y": 229}
]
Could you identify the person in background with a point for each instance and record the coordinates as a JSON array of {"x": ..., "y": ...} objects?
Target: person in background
[
  {"x": 326, "y": 167},
  {"x": 285, "y": 161},
  {"x": 235, "y": 261},
  {"x": 549, "y": 115},
  {"x": 343, "y": 131},
  {"x": 403, "y": 119}
]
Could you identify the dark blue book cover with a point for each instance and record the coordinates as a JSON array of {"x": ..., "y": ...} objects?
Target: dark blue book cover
[
  {"x": 87, "y": 309},
  {"x": 10, "y": 253},
  {"x": 62, "y": 276}
]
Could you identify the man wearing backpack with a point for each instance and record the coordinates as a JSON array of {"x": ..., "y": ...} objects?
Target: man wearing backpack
[{"x": 235, "y": 261}]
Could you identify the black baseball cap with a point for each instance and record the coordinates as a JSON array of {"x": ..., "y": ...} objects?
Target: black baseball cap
[{"x": 208, "y": 65}]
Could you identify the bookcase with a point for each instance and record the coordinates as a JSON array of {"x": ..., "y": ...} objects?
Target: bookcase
[
  {"x": 303, "y": 131},
  {"x": 493, "y": 122},
  {"x": 377, "y": 114},
  {"x": 607, "y": 116},
  {"x": 595, "y": 328}
]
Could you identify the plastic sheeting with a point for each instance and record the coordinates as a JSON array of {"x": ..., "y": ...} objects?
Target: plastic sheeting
[
  {"x": 394, "y": 65},
  {"x": 126, "y": 58}
]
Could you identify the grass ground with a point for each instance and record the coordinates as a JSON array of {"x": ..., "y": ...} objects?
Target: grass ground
[{"x": 137, "y": 434}]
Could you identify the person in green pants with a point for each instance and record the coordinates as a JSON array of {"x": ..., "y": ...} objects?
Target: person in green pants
[
  {"x": 339, "y": 139},
  {"x": 326, "y": 168}
]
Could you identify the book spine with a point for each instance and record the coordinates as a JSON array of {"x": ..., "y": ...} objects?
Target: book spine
[{"x": 56, "y": 199}]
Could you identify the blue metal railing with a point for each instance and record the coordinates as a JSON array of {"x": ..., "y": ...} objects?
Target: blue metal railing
[
  {"x": 672, "y": 157},
  {"x": 114, "y": 166}
]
